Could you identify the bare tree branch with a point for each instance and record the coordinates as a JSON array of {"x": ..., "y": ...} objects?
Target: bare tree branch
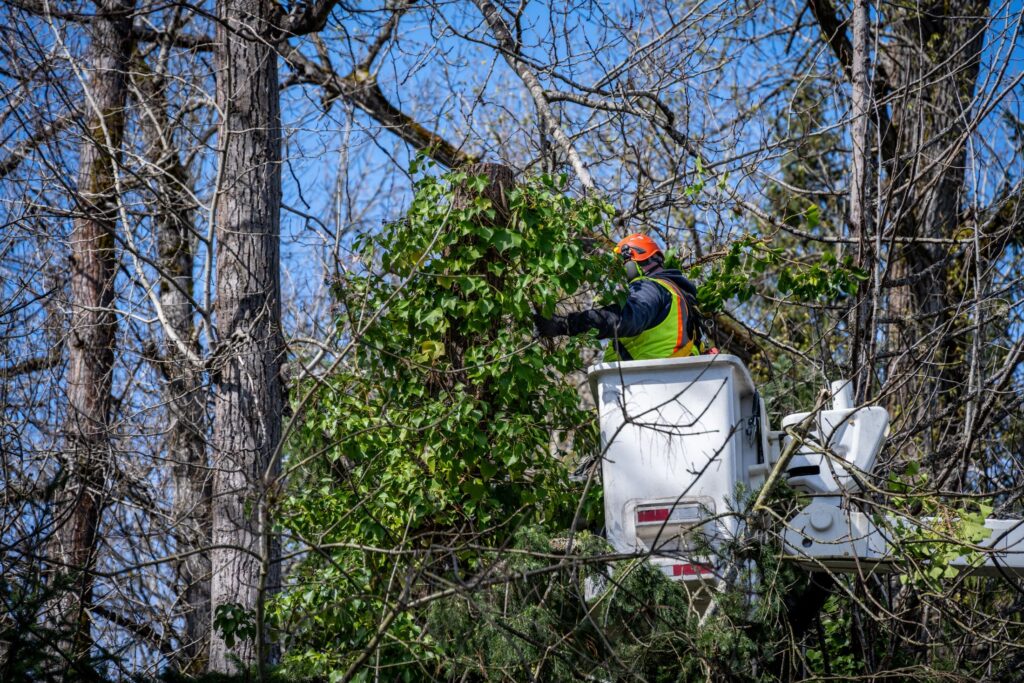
[
  {"x": 361, "y": 89},
  {"x": 835, "y": 35},
  {"x": 29, "y": 145},
  {"x": 510, "y": 52},
  {"x": 31, "y": 365}
]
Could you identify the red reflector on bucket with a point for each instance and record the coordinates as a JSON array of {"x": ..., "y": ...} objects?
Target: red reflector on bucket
[
  {"x": 690, "y": 569},
  {"x": 652, "y": 515}
]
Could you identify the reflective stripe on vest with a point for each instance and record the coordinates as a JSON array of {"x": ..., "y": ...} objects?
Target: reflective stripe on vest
[{"x": 667, "y": 339}]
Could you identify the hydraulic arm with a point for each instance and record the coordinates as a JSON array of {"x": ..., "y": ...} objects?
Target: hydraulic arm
[{"x": 686, "y": 442}]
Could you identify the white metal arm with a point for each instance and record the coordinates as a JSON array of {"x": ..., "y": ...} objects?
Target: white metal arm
[
  {"x": 832, "y": 534},
  {"x": 680, "y": 438},
  {"x": 825, "y": 535}
]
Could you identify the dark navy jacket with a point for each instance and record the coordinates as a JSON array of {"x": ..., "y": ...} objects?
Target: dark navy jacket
[{"x": 647, "y": 305}]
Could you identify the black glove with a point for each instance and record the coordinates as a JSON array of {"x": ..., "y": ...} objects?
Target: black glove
[{"x": 556, "y": 326}]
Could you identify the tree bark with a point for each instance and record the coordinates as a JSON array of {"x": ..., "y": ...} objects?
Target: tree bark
[
  {"x": 184, "y": 392},
  {"x": 932, "y": 66},
  {"x": 861, "y": 214},
  {"x": 89, "y": 451},
  {"x": 501, "y": 180},
  {"x": 248, "y": 357}
]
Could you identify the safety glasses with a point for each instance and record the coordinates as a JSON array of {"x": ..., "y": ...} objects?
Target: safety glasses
[{"x": 625, "y": 253}]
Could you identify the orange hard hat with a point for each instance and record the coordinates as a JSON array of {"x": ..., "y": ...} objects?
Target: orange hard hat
[{"x": 637, "y": 247}]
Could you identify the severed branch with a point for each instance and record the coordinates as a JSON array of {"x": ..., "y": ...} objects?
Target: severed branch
[
  {"x": 734, "y": 337},
  {"x": 509, "y": 49}
]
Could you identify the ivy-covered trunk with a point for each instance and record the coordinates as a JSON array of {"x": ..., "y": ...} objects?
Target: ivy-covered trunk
[
  {"x": 249, "y": 348},
  {"x": 496, "y": 182}
]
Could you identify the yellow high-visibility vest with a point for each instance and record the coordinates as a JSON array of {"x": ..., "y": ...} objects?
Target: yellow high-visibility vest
[{"x": 667, "y": 339}]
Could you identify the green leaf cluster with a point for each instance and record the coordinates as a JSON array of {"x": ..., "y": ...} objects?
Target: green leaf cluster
[
  {"x": 834, "y": 656},
  {"x": 450, "y": 419},
  {"x": 234, "y": 623},
  {"x": 752, "y": 259},
  {"x": 939, "y": 533}
]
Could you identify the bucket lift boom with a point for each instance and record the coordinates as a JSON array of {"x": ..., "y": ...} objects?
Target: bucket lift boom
[{"x": 683, "y": 439}]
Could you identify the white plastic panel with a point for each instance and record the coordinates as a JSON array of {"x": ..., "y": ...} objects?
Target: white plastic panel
[
  {"x": 673, "y": 429},
  {"x": 853, "y": 435}
]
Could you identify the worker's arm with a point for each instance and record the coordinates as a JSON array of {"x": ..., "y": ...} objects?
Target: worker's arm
[{"x": 646, "y": 305}]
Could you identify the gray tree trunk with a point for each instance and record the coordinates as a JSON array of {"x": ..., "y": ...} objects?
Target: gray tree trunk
[
  {"x": 861, "y": 214},
  {"x": 89, "y": 451},
  {"x": 248, "y": 357},
  {"x": 183, "y": 389},
  {"x": 931, "y": 65}
]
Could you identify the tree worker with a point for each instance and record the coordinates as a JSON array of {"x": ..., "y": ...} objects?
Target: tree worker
[{"x": 658, "y": 320}]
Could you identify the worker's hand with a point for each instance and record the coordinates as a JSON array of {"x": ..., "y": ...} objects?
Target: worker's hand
[{"x": 555, "y": 326}]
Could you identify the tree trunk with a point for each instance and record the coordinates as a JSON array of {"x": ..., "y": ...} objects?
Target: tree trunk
[
  {"x": 184, "y": 393},
  {"x": 931, "y": 65},
  {"x": 500, "y": 182},
  {"x": 861, "y": 214},
  {"x": 88, "y": 455},
  {"x": 247, "y": 360}
]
